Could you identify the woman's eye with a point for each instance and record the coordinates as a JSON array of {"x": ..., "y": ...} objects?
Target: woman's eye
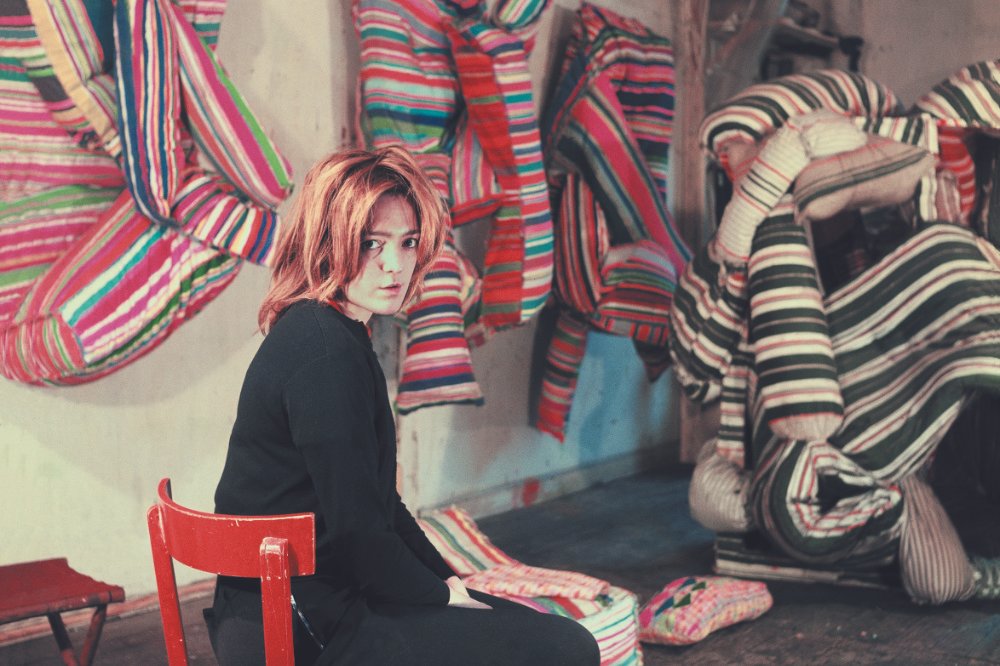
[
  {"x": 370, "y": 244},
  {"x": 411, "y": 243}
]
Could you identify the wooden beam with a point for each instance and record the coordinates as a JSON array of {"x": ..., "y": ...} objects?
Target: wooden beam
[{"x": 690, "y": 21}]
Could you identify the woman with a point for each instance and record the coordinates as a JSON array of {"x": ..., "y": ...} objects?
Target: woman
[{"x": 314, "y": 432}]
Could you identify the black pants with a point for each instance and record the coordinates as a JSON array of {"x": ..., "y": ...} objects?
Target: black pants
[{"x": 396, "y": 635}]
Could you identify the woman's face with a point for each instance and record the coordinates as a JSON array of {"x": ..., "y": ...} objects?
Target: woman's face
[{"x": 388, "y": 257}]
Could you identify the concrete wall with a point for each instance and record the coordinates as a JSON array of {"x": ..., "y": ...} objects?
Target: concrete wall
[
  {"x": 79, "y": 465},
  {"x": 911, "y": 45}
]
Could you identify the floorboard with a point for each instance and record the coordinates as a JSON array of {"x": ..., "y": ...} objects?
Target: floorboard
[{"x": 637, "y": 533}]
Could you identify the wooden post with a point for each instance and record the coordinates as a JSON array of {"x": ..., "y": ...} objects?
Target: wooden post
[{"x": 690, "y": 21}]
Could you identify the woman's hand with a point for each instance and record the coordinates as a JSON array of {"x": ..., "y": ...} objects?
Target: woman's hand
[{"x": 460, "y": 596}]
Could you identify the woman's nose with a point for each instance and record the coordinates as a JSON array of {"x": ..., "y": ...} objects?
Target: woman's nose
[{"x": 390, "y": 259}]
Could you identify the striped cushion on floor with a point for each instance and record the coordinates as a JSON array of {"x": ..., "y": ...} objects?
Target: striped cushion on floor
[
  {"x": 521, "y": 580},
  {"x": 462, "y": 545},
  {"x": 612, "y": 616},
  {"x": 689, "y": 609}
]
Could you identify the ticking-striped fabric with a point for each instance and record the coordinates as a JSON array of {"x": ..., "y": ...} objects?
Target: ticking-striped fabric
[
  {"x": 730, "y": 133},
  {"x": 912, "y": 337},
  {"x": 717, "y": 494},
  {"x": 607, "y": 138},
  {"x": 933, "y": 563},
  {"x": 797, "y": 393},
  {"x": 88, "y": 283},
  {"x": 611, "y": 616},
  {"x": 965, "y": 104},
  {"x": 450, "y": 81},
  {"x": 522, "y": 580}
]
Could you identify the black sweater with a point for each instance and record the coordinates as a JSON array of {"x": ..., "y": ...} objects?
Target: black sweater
[{"x": 314, "y": 431}]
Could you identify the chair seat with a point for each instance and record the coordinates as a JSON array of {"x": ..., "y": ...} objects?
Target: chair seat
[{"x": 32, "y": 589}]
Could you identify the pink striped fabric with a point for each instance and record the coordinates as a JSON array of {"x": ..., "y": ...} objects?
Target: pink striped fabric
[
  {"x": 527, "y": 581},
  {"x": 88, "y": 283},
  {"x": 462, "y": 545},
  {"x": 450, "y": 81},
  {"x": 610, "y": 613},
  {"x": 607, "y": 136},
  {"x": 689, "y": 609}
]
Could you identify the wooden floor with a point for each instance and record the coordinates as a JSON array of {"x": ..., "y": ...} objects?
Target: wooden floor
[{"x": 637, "y": 533}]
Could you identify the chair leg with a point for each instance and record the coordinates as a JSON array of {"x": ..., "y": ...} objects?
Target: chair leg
[
  {"x": 62, "y": 638},
  {"x": 93, "y": 635}
]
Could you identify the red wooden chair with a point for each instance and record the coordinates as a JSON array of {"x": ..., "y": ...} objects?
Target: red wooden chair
[{"x": 271, "y": 548}]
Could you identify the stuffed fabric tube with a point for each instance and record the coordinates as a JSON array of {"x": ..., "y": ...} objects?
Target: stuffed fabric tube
[
  {"x": 118, "y": 235},
  {"x": 607, "y": 137},
  {"x": 449, "y": 80}
]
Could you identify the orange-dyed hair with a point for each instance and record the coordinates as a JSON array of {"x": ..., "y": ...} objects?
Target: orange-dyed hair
[{"x": 319, "y": 250}]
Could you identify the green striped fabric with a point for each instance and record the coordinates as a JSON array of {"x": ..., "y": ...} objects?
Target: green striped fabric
[
  {"x": 797, "y": 391},
  {"x": 880, "y": 173},
  {"x": 913, "y": 337}
]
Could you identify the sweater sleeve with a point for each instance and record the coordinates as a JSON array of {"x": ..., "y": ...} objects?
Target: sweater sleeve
[
  {"x": 408, "y": 529},
  {"x": 330, "y": 414}
]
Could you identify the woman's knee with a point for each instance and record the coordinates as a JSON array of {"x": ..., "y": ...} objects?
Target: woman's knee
[{"x": 569, "y": 643}]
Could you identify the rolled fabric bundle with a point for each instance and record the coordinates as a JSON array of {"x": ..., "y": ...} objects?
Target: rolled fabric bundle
[
  {"x": 798, "y": 393},
  {"x": 96, "y": 275},
  {"x": 965, "y": 104},
  {"x": 730, "y": 133},
  {"x": 718, "y": 491},
  {"x": 804, "y": 138}
]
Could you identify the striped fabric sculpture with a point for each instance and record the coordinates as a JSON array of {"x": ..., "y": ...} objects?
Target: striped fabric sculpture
[
  {"x": 450, "y": 81},
  {"x": 112, "y": 233},
  {"x": 964, "y": 106},
  {"x": 911, "y": 337},
  {"x": 610, "y": 613},
  {"x": 607, "y": 138}
]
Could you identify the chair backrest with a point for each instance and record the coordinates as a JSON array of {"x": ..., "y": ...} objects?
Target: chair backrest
[{"x": 271, "y": 548}]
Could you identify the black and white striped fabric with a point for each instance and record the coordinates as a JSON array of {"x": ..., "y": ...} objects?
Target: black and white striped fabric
[{"x": 912, "y": 337}]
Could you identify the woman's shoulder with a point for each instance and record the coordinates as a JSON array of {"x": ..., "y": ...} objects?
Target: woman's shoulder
[{"x": 318, "y": 328}]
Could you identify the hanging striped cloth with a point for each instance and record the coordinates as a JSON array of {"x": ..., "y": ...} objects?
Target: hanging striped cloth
[
  {"x": 607, "y": 137},
  {"x": 450, "y": 81},
  {"x": 90, "y": 283}
]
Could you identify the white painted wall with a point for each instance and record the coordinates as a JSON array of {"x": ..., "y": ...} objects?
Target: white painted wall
[{"x": 78, "y": 466}]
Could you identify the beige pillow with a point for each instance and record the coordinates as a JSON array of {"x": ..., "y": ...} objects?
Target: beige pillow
[{"x": 883, "y": 172}]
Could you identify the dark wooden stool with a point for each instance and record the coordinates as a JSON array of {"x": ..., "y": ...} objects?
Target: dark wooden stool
[{"x": 50, "y": 587}]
